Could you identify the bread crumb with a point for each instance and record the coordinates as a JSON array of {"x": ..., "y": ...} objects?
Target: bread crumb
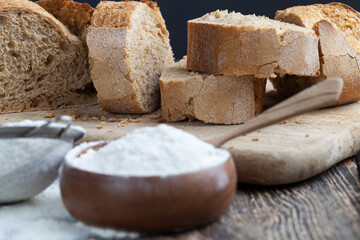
[
  {"x": 255, "y": 139},
  {"x": 307, "y": 135},
  {"x": 284, "y": 122},
  {"x": 342, "y": 118},
  {"x": 339, "y": 122},
  {"x": 334, "y": 132},
  {"x": 49, "y": 115},
  {"x": 137, "y": 120},
  {"x": 110, "y": 131},
  {"x": 113, "y": 120},
  {"x": 232, "y": 147},
  {"x": 101, "y": 125},
  {"x": 260, "y": 130},
  {"x": 73, "y": 117},
  {"x": 103, "y": 118},
  {"x": 94, "y": 118},
  {"x": 85, "y": 118},
  {"x": 124, "y": 121}
]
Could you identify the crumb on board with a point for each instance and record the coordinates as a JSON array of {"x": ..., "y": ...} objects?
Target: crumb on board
[
  {"x": 85, "y": 118},
  {"x": 103, "y": 118},
  {"x": 110, "y": 131},
  {"x": 342, "y": 118},
  {"x": 284, "y": 122},
  {"x": 49, "y": 115},
  {"x": 101, "y": 125},
  {"x": 255, "y": 139},
  {"x": 136, "y": 120},
  {"x": 307, "y": 135},
  {"x": 260, "y": 130},
  {"x": 94, "y": 118},
  {"x": 231, "y": 147},
  {"x": 339, "y": 122},
  {"x": 113, "y": 120},
  {"x": 334, "y": 132}
]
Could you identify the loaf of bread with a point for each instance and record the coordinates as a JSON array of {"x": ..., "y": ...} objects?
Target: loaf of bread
[
  {"x": 212, "y": 99},
  {"x": 43, "y": 65},
  {"x": 235, "y": 44},
  {"x": 338, "y": 27},
  {"x": 128, "y": 48}
]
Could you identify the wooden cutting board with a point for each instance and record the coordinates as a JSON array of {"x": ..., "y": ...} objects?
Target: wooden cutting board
[{"x": 292, "y": 151}]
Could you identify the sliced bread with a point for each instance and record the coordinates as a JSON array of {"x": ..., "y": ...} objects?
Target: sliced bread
[
  {"x": 128, "y": 48},
  {"x": 338, "y": 27},
  {"x": 235, "y": 44},
  {"x": 212, "y": 99},
  {"x": 42, "y": 64}
]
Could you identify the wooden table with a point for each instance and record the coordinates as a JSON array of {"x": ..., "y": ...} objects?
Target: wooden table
[{"x": 324, "y": 207}]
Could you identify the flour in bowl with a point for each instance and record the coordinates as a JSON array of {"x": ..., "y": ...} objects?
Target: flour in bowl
[{"x": 149, "y": 151}]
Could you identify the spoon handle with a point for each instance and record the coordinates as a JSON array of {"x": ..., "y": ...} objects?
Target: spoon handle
[{"x": 320, "y": 95}]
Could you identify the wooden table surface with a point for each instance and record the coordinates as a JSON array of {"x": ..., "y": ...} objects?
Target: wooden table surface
[{"x": 324, "y": 207}]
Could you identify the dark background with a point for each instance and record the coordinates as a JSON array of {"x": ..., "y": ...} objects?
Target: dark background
[{"x": 178, "y": 12}]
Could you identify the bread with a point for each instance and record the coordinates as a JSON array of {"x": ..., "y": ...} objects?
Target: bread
[
  {"x": 75, "y": 16},
  {"x": 128, "y": 48},
  {"x": 234, "y": 44},
  {"x": 42, "y": 64},
  {"x": 212, "y": 99},
  {"x": 338, "y": 27}
]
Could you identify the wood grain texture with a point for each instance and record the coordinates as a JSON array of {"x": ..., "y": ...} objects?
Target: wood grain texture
[{"x": 324, "y": 207}]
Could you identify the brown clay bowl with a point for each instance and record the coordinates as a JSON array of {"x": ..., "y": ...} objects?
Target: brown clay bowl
[{"x": 147, "y": 204}]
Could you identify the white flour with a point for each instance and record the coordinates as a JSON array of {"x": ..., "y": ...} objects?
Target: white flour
[
  {"x": 45, "y": 218},
  {"x": 17, "y": 152},
  {"x": 149, "y": 151}
]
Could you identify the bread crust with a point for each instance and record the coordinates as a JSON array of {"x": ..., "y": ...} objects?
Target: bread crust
[
  {"x": 241, "y": 50},
  {"x": 76, "y": 16},
  {"x": 111, "y": 70},
  {"x": 340, "y": 56},
  {"x": 24, "y": 5},
  {"x": 212, "y": 99},
  {"x": 64, "y": 86}
]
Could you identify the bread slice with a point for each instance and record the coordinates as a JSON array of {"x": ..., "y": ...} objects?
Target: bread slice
[
  {"x": 42, "y": 64},
  {"x": 235, "y": 44},
  {"x": 128, "y": 47},
  {"x": 74, "y": 15},
  {"x": 212, "y": 99},
  {"x": 338, "y": 27}
]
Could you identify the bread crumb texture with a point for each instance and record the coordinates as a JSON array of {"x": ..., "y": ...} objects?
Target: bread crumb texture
[
  {"x": 129, "y": 47},
  {"x": 235, "y": 44},
  {"x": 42, "y": 65}
]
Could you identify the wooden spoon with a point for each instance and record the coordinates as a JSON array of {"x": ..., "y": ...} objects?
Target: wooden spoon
[{"x": 320, "y": 95}]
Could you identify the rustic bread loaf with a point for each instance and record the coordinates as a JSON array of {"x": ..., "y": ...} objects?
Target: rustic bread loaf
[
  {"x": 234, "y": 44},
  {"x": 42, "y": 64},
  {"x": 128, "y": 48},
  {"x": 212, "y": 99},
  {"x": 338, "y": 27}
]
